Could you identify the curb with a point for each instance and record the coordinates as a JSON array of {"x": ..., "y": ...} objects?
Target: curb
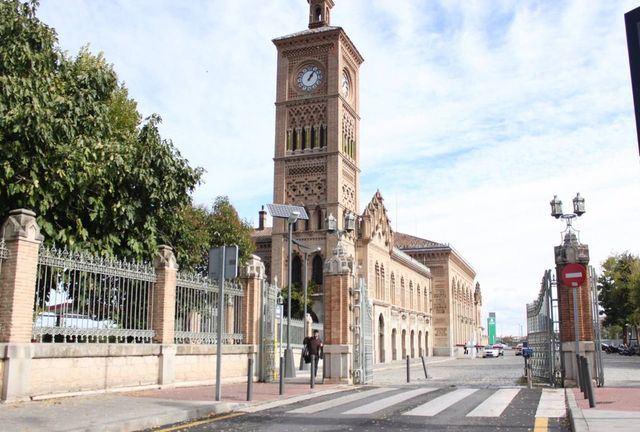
[
  {"x": 178, "y": 416},
  {"x": 578, "y": 422}
]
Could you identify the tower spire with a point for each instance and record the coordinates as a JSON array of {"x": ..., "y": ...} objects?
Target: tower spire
[{"x": 319, "y": 13}]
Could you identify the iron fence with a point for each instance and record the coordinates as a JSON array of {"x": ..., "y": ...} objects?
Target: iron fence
[
  {"x": 85, "y": 298},
  {"x": 196, "y": 310},
  {"x": 542, "y": 334}
]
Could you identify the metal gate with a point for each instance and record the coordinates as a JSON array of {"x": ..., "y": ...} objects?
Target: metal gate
[
  {"x": 268, "y": 370},
  {"x": 362, "y": 335},
  {"x": 542, "y": 333}
]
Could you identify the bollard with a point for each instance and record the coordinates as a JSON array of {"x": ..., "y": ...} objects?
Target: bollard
[
  {"x": 583, "y": 378},
  {"x": 424, "y": 366},
  {"x": 578, "y": 372},
  {"x": 250, "y": 380},
  {"x": 408, "y": 370},
  {"x": 312, "y": 375},
  {"x": 281, "y": 376},
  {"x": 589, "y": 384}
]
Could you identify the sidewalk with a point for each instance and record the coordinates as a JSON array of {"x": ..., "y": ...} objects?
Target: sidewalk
[
  {"x": 617, "y": 409},
  {"x": 415, "y": 362},
  {"x": 140, "y": 410}
]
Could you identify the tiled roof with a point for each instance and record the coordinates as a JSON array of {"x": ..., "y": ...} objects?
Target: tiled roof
[
  {"x": 307, "y": 32},
  {"x": 406, "y": 241},
  {"x": 266, "y": 232}
]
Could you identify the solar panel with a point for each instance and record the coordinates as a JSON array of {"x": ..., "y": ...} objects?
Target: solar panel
[{"x": 284, "y": 211}]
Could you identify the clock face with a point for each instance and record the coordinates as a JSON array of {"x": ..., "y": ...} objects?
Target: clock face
[
  {"x": 345, "y": 87},
  {"x": 309, "y": 78}
]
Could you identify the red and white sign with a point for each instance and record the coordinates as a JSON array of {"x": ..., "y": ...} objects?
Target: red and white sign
[{"x": 573, "y": 275}]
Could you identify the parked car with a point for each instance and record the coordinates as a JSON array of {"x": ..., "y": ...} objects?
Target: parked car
[
  {"x": 491, "y": 351},
  {"x": 500, "y": 348},
  {"x": 519, "y": 349}
]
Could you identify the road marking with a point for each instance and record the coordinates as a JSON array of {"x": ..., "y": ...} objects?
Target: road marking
[
  {"x": 292, "y": 400},
  {"x": 552, "y": 403},
  {"x": 200, "y": 422},
  {"x": 389, "y": 401},
  {"x": 340, "y": 401},
  {"x": 441, "y": 403},
  {"x": 495, "y": 404},
  {"x": 541, "y": 424}
]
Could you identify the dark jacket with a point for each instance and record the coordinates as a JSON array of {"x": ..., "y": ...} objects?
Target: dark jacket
[{"x": 314, "y": 346}]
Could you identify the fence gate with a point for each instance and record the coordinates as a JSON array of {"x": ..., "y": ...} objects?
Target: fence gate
[
  {"x": 362, "y": 335},
  {"x": 267, "y": 333},
  {"x": 542, "y": 333}
]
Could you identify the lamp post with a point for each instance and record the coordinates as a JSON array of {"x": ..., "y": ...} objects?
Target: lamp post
[
  {"x": 578, "y": 210},
  {"x": 306, "y": 250},
  {"x": 292, "y": 214}
]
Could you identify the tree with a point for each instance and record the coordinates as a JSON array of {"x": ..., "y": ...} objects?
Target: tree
[
  {"x": 619, "y": 287},
  {"x": 203, "y": 229},
  {"x": 75, "y": 151}
]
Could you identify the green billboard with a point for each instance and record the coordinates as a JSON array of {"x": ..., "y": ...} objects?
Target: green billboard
[{"x": 491, "y": 327}]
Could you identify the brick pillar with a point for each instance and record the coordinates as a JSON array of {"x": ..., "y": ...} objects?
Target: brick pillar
[
  {"x": 252, "y": 276},
  {"x": 568, "y": 253},
  {"x": 338, "y": 279},
  {"x": 164, "y": 311},
  {"x": 17, "y": 290}
]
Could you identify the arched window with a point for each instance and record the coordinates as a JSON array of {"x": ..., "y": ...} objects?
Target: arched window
[
  {"x": 403, "y": 300},
  {"x": 319, "y": 218},
  {"x": 383, "y": 282},
  {"x": 296, "y": 271},
  {"x": 418, "y": 298},
  {"x": 316, "y": 273},
  {"x": 377, "y": 281},
  {"x": 410, "y": 294},
  {"x": 295, "y": 140},
  {"x": 313, "y": 137},
  {"x": 318, "y": 14},
  {"x": 393, "y": 288}
]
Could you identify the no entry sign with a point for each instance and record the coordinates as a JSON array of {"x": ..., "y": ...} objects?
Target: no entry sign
[{"x": 573, "y": 275}]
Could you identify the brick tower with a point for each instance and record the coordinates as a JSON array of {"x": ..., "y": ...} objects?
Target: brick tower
[{"x": 316, "y": 159}]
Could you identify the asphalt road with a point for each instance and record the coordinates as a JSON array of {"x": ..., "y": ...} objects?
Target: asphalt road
[{"x": 463, "y": 395}]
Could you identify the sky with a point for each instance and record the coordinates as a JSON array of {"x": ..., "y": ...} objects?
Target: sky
[{"x": 474, "y": 114}]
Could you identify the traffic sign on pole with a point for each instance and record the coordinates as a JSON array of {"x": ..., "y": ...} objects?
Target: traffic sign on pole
[{"x": 573, "y": 275}]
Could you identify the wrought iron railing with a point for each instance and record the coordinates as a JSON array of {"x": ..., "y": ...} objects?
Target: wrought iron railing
[
  {"x": 542, "y": 333},
  {"x": 196, "y": 311},
  {"x": 85, "y": 298}
]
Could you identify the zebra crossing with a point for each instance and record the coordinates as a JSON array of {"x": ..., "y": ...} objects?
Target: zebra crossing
[{"x": 434, "y": 401}]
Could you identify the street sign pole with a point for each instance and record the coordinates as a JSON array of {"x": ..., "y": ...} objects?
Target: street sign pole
[
  {"x": 573, "y": 276},
  {"x": 220, "y": 325},
  {"x": 223, "y": 264}
]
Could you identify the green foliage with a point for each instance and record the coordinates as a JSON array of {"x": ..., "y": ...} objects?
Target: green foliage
[
  {"x": 203, "y": 229},
  {"x": 619, "y": 287},
  {"x": 74, "y": 149},
  {"x": 297, "y": 299}
]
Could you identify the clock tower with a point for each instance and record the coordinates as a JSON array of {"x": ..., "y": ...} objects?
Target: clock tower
[{"x": 317, "y": 146}]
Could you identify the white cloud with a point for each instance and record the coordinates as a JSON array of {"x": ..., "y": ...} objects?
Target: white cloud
[{"x": 474, "y": 113}]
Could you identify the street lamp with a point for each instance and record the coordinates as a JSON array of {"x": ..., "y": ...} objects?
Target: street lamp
[
  {"x": 306, "y": 250},
  {"x": 568, "y": 237},
  {"x": 291, "y": 214},
  {"x": 349, "y": 224}
]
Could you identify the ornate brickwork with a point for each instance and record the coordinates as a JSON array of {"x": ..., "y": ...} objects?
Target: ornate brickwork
[
  {"x": 349, "y": 196},
  {"x": 348, "y": 134},
  {"x": 307, "y": 114},
  {"x": 306, "y": 181}
]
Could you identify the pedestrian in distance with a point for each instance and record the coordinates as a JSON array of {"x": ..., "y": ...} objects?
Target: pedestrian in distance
[{"x": 314, "y": 347}]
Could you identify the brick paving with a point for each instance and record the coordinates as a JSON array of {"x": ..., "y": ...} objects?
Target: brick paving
[
  {"x": 235, "y": 392},
  {"x": 611, "y": 399}
]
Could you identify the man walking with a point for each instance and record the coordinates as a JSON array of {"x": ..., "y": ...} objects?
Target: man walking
[{"x": 315, "y": 349}]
